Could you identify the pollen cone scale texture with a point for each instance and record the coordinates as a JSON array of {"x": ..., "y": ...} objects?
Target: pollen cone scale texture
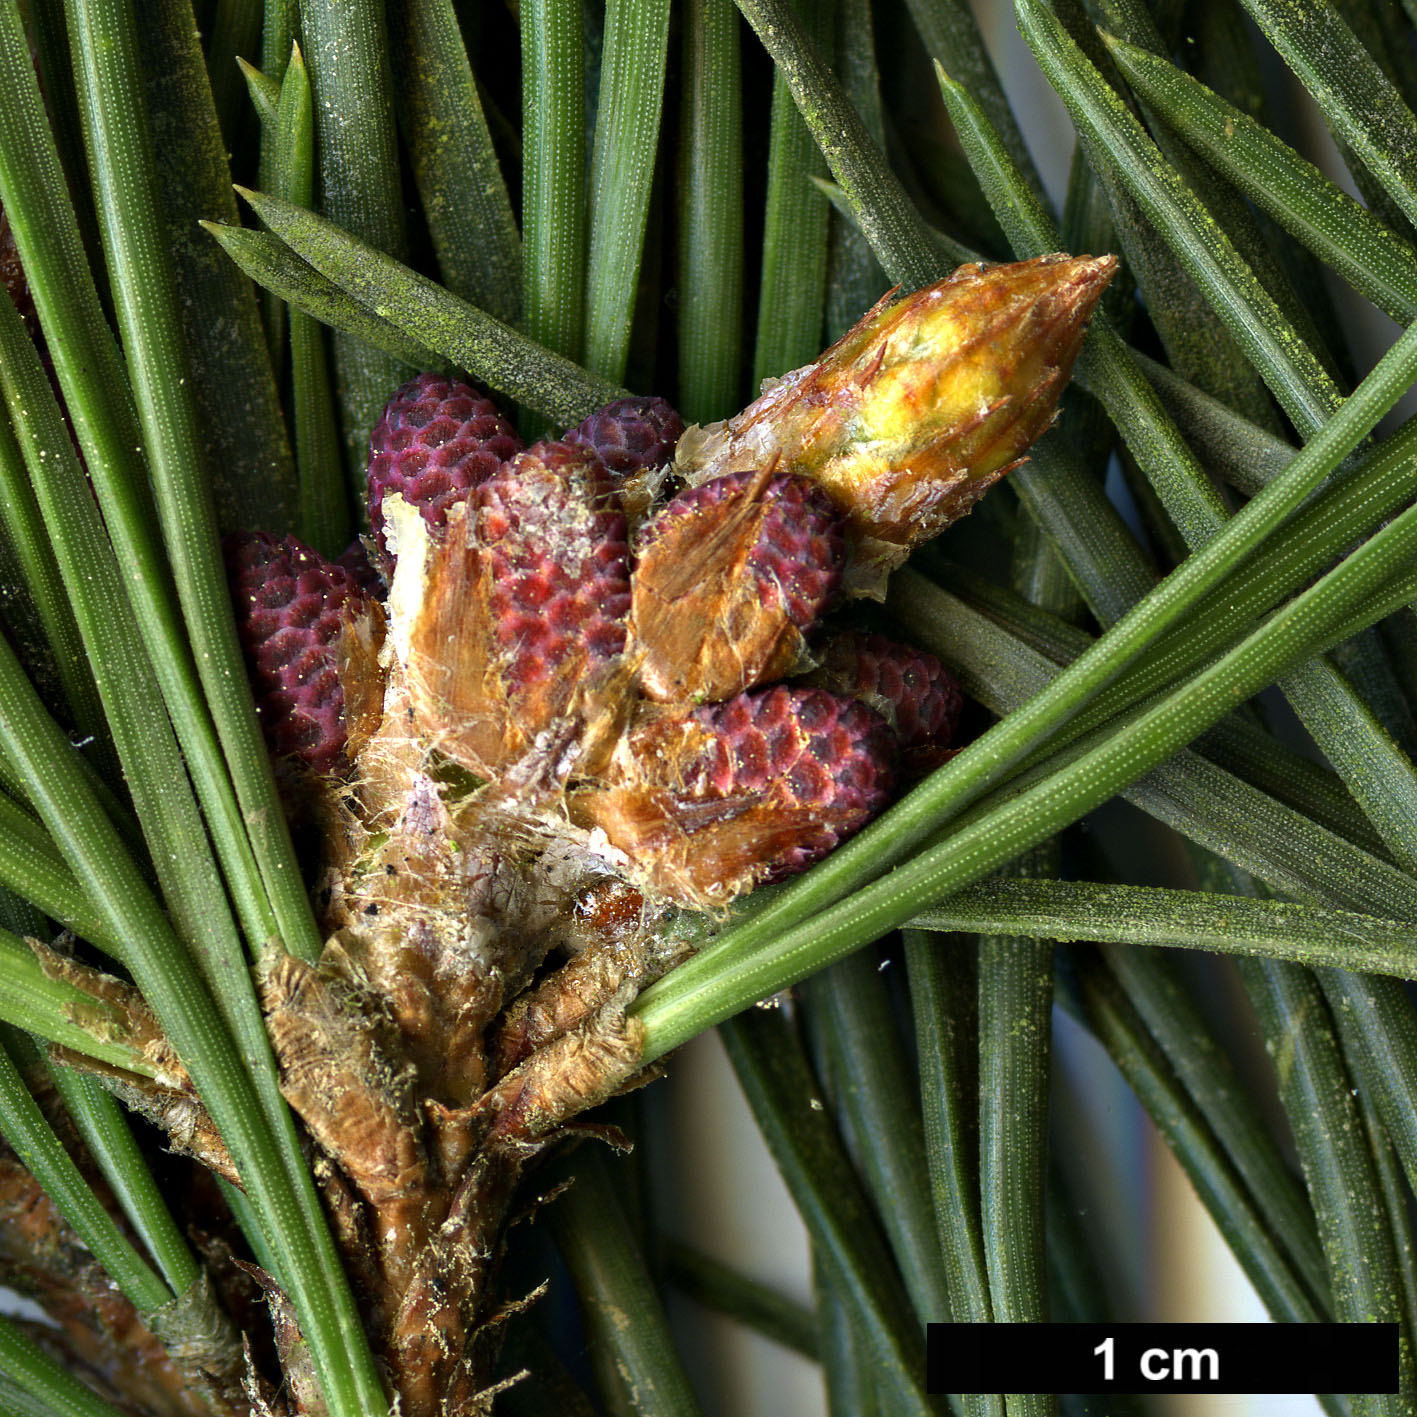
[
  {"x": 630, "y": 434},
  {"x": 910, "y": 417},
  {"x": 909, "y": 688},
  {"x": 710, "y": 801},
  {"x": 436, "y": 440},
  {"x": 293, "y": 610}
]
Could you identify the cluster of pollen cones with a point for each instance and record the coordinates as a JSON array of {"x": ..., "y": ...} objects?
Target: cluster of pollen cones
[{"x": 567, "y": 702}]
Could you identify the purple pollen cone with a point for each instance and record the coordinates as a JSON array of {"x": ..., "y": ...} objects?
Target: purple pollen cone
[
  {"x": 916, "y": 693},
  {"x": 799, "y": 550},
  {"x": 709, "y": 802},
  {"x": 630, "y": 435},
  {"x": 558, "y": 559},
  {"x": 522, "y": 620},
  {"x": 810, "y": 749},
  {"x": 436, "y": 440},
  {"x": 291, "y": 605}
]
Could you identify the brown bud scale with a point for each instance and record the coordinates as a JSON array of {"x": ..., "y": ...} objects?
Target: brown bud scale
[
  {"x": 728, "y": 578},
  {"x": 523, "y": 615}
]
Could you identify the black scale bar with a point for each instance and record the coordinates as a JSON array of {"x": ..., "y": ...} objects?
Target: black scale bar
[{"x": 1142, "y": 1358}]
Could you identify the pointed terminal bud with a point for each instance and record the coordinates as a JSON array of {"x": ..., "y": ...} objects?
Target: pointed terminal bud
[
  {"x": 911, "y": 415},
  {"x": 729, "y": 576},
  {"x": 709, "y": 802},
  {"x": 519, "y": 620}
]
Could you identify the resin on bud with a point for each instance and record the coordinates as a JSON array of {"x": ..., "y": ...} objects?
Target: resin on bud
[{"x": 910, "y": 417}]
